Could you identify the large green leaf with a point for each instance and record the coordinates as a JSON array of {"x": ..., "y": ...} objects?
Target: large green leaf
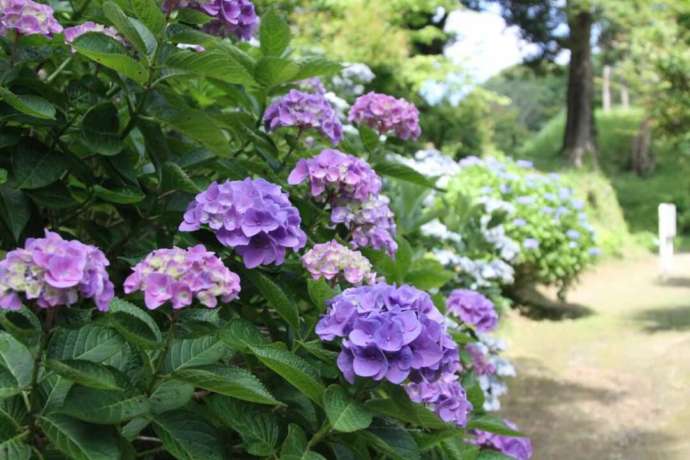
[
  {"x": 276, "y": 297},
  {"x": 428, "y": 274},
  {"x": 344, "y": 413},
  {"x": 187, "y": 436},
  {"x": 175, "y": 178},
  {"x": 78, "y": 440},
  {"x": 109, "y": 53},
  {"x": 320, "y": 293},
  {"x": 100, "y": 129},
  {"x": 104, "y": 407},
  {"x": 34, "y": 106},
  {"x": 35, "y": 166},
  {"x": 15, "y": 210},
  {"x": 143, "y": 43},
  {"x": 492, "y": 424},
  {"x": 134, "y": 324},
  {"x": 169, "y": 395},
  {"x": 217, "y": 63},
  {"x": 8, "y": 384},
  {"x": 150, "y": 14},
  {"x": 394, "y": 440},
  {"x": 86, "y": 373},
  {"x": 295, "y": 370},
  {"x": 239, "y": 334},
  {"x": 91, "y": 342},
  {"x": 15, "y": 448},
  {"x": 17, "y": 359},
  {"x": 295, "y": 446},
  {"x": 198, "y": 125},
  {"x": 317, "y": 67},
  {"x": 272, "y": 71},
  {"x": 402, "y": 172},
  {"x": 274, "y": 34},
  {"x": 230, "y": 381},
  {"x": 118, "y": 196},
  {"x": 259, "y": 429},
  {"x": 194, "y": 352}
]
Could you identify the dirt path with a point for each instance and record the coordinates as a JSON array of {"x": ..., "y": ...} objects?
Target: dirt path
[{"x": 614, "y": 382}]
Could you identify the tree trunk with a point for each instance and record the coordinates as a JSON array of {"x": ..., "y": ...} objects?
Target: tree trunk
[
  {"x": 579, "y": 138},
  {"x": 642, "y": 160},
  {"x": 625, "y": 96},
  {"x": 606, "y": 89}
]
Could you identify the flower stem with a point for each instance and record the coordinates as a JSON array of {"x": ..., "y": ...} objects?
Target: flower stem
[
  {"x": 168, "y": 340},
  {"x": 319, "y": 435}
]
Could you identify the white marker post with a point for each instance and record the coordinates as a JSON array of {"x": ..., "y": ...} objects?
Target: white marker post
[{"x": 667, "y": 231}]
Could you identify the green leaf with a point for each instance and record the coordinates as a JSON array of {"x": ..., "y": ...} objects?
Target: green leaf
[
  {"x": 28, "y": 104},
  {"x": 402, "y": 172},
  {"x": 317, "y": 67},
  {"x": 432, "y": 276},
  {"x": 134, "y": 324},
  {"x": 126, "y": 28},
  {"x": 14, "y": 448},
  {"x": 276, "y": 297},
  {"x": 36, "y": 166},
  {"x": 273, "y": 71},
  {"x": 169, "y": 395},
  {"x": 475, "y": 394},
  {"x": 119, "y": 196},
  {"x": 320, "y": 293},
  {"x": 150, "y": 14},
  {"x": 54, "y": 196},
  {"x": 195, "y": 352},
  {"x": 201, "y": 127},
  {"x": 259, "y": 429},
  {"x": 274, "y": 34},
  {"x": 492, "y": 425},
  {"x": 109, "y": 53},
  {"x": 492, "y": 455},
  {"x": 395, "y": 441},
  {"x": 17, "y": 359},
  {"x": 295, "y": 370},
  {"x": 15, "y": 210},
  {"x": 187, "y": 436},
  {"x": 230, "y": 381},
  {"x": 8, "y": 384},
  {"x": 369, "y": 138},
  {"x": 100, "y": 129},
  {"x": 398, "y": 405},
  {"x": 104, "y": 407},
  {"x": 86, "y": 373},
  {"x": 78, "y": 440},
  {"x": 344, "y": 413},
  {"x": 239, "y": 334},
  {"x": 216, "y": 63},
  {"x": 175, "y": 178},
  {"x": 91, "y": 342}
]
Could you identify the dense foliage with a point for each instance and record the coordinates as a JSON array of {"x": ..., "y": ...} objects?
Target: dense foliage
[{"x": 174, "y": 146}]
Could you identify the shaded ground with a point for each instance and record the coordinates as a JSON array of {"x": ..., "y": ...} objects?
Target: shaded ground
[{"x": 608, "y": 378}]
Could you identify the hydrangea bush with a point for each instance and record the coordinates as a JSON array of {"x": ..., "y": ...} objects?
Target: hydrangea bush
[{"x": 173, "y": 288}]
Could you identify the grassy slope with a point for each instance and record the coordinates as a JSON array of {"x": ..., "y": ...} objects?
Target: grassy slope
[{"x": 638, "y": 197}]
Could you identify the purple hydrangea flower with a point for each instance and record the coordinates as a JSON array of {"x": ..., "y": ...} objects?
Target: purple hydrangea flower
[
  {"x": 27, "y": 17},
  {"x": 236, "y": 17},
  {"x": 389, "y": 333},
  {"x": 372, "y": 223},
  {"x": 518, "y": 448},
  {"x": 473, "y": 308},
  {"x": 480, "y": 359},
  {"x": 345, "y": 176},
  {"x": 180, "y": 275},
  {"x": 446, "y": 397},
  {"x": 328, "y": 260},
  {"x": 387, "y": 115},
  {"x": 304, "y": 110},
  {"x": 312, "y": 85},
  {"x": 252, "y": 215},
  {"x": 54, "y": 272},
  {"x": 72, "y": 33}
]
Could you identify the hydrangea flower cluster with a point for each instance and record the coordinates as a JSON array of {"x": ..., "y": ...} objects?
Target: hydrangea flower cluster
[
  {"x": 304, "y": 111},
  {"x": 27, "y": 17},
  {"x": 371, "y": 222},
  {"x": 473, "y": 308},
  {"x": 312, "y": 85},
  {"x": 389, "y": 333},
  {"x": 231, "y": 17},
  {"x": 180, "y": 275},
  {"x": 253, "y": 216},
  {"x": 387, "y": 115},
  {"x": 329, "y": 260},
  {"x": 518, "y": 448},
  {"x": 343, "y": 176},
  {"x": 480, "y": 360},
  {"x": 445, "y": 396},
  {"x": 53, "y": 272},
  {"x": 72, "y": 33},
  {"x": 493, "y": 385}
]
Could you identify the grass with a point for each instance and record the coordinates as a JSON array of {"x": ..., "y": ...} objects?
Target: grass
[{"x": 613, "y": 187}]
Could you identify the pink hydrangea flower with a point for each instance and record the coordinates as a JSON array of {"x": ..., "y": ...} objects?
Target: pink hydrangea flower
[
  {"x": 27, "y": 17},
  {"x": 387, "y": 115},
  {"x": 74, "y": 32},
  {"x": 332, "y": 259}
]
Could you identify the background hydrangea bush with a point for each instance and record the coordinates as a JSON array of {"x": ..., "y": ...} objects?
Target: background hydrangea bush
[{"x": 191, "y": 297}]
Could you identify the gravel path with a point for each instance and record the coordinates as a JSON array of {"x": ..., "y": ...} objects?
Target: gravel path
[{"x": 613, "y": 380}]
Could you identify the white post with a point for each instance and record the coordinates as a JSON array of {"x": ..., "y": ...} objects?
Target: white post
[{"x": 667, "y": 231}]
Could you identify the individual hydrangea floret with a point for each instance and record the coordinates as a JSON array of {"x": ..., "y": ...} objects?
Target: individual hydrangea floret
[
  {"x": 53, "y": 272},
  {"x": 390, "y": 333},
  {"x": 304, "y": 110},
  {"x": 72, "y": 33},
  {"x": 371, "y": 223},
  {"x": 181, "y": 275},
  {"x": 231, "y": 17},
  {"x": 27, "y": 17},
  {"x": 473, "y": 308},
  {"x": 253, "y": 216},
  {"x": 329, "y": 260},
  {"x": 342, "y": 176},
  {"x": 387, "y": 115},
  {"x": 518, "y": 448},
  {"x": 446, "y": 397}
]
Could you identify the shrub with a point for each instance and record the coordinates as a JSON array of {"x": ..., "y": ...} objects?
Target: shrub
[{"x": 147, "y": 138}]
